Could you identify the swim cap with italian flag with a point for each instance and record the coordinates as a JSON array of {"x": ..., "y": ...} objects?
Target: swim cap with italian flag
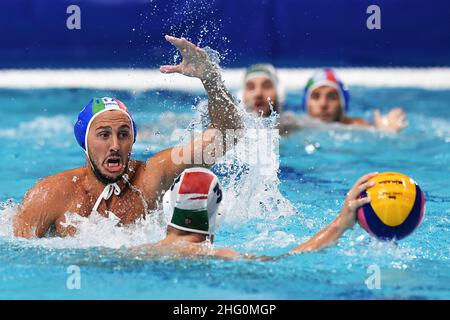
[
  {"x": 326, "y": 77},
  {"x": 192, "y": 202},
  {"x": 94, "y": 108}
]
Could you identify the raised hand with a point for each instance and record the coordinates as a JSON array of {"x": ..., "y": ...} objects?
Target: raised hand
[
  {"x": 195, "y": 63},
  {"x": 347, "y": 216},
  {"x": 394, "y": 121}
]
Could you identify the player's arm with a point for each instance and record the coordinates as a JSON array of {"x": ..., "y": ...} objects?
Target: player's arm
[
  {"x": 393, "y": 121},
  {"x": 38, "y": 211},
  {"x": 210, "y": 145},
  {"x": 345, "y": 220}
]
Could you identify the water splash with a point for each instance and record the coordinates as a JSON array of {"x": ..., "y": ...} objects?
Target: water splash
[
  {"x": 251, "y": 168},
  {"x": 92, "y": 231},
  {"x": 7, "y": 211},
  {"x": 213, "y": 55},
  {"x": 190, "y": 20}
]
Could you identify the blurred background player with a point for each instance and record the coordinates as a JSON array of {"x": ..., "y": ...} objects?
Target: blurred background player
[
  {"x": 326, "y": 98},
  {"x": 263, "y": 95}
]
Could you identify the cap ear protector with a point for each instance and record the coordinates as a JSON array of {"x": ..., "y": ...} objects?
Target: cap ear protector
[
  {"x": 326, "y": 77},
  {"x": 192, "y": 202}
]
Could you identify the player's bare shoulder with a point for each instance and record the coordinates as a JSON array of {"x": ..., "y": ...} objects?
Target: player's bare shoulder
[
  {"x": 156, "y": 166},
  {"x": 69, "y": 179},
  {"x": 56, "y": 186},
  {"x": 150, "y": 176}
]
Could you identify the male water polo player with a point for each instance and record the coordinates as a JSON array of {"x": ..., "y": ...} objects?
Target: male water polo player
[
  {"x": 262, "y": 95},
  {"x": 191, "y": 206},
  {"x": 326, "y": 98},
  {"x": 111, "y": 181}
]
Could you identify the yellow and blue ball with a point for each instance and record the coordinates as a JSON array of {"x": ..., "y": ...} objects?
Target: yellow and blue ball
[{"x": 396, "y": 209}]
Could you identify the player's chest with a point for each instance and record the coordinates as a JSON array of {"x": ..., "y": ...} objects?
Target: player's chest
[{"x": 129, "y": 206}]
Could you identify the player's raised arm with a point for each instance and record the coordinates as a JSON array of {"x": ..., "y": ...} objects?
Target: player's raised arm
[{"x": 211, "y": 144}]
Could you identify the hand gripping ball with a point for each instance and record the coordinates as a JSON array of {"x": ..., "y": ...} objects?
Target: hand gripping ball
[{"x": 396, "y": 209}]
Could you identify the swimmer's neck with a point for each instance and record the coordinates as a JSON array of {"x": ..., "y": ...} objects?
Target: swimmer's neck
[
  {"x": 175, "y": 235},
  {"x": 93, "y": 185}
]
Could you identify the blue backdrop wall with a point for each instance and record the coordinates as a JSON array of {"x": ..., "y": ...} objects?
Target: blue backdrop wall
[{"x": 288, "y": 33}]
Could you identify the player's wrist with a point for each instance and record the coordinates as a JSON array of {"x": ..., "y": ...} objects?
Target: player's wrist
[
  {"x": 211, "y": 77},
  {"x": 344, "y": 222}
]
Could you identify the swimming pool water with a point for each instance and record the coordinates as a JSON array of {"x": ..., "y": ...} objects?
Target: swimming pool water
[{"x": 317, "y": 167}]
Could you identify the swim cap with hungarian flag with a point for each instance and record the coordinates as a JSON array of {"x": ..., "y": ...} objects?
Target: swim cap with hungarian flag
[
  {"x": 326, "y": 77},
  {"x": 94, "y": 108},
  {"x": 192, "y": 202}
]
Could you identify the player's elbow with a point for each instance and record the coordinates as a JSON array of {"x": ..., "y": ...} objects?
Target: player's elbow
[{"x": 21, "y": 227}]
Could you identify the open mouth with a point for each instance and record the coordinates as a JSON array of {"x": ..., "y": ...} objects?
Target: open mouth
[
  {"x": 113, "y": 164},
  {"x": 260, "y": 107}
]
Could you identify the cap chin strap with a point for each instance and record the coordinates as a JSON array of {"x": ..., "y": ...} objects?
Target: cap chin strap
[
  {"x": 109, "y": 189},
  {"x": 106, "y": 194}
]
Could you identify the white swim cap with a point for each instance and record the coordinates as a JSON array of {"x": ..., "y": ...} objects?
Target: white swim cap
[
  {"x": 192, "y": 202},
  {"x": 262, "y": 70},
  {"x": 268, "y": 71}
]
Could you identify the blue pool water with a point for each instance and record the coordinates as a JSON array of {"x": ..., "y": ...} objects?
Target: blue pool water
[{"x": 268, "y": 215}]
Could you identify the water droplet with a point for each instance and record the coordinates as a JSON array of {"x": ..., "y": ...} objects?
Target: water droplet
[{"x": 310, "y": 149}]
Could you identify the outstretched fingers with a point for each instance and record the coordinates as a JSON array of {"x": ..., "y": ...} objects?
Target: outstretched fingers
[
  {"x": 355, "y": 204},
  {"x": 364, "y": 179},
  {"x": 366, "y": 185},
  {"x": 400, "y": 117},
  {"x": 170, "y": 69},
  {"x": 183, "y": 45},
  {"x": 362, "y": 184},
  {"x": 177, "y": 42},
  {"x": 195, "y": 63},
  {"x": 397, "y": 111}
]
